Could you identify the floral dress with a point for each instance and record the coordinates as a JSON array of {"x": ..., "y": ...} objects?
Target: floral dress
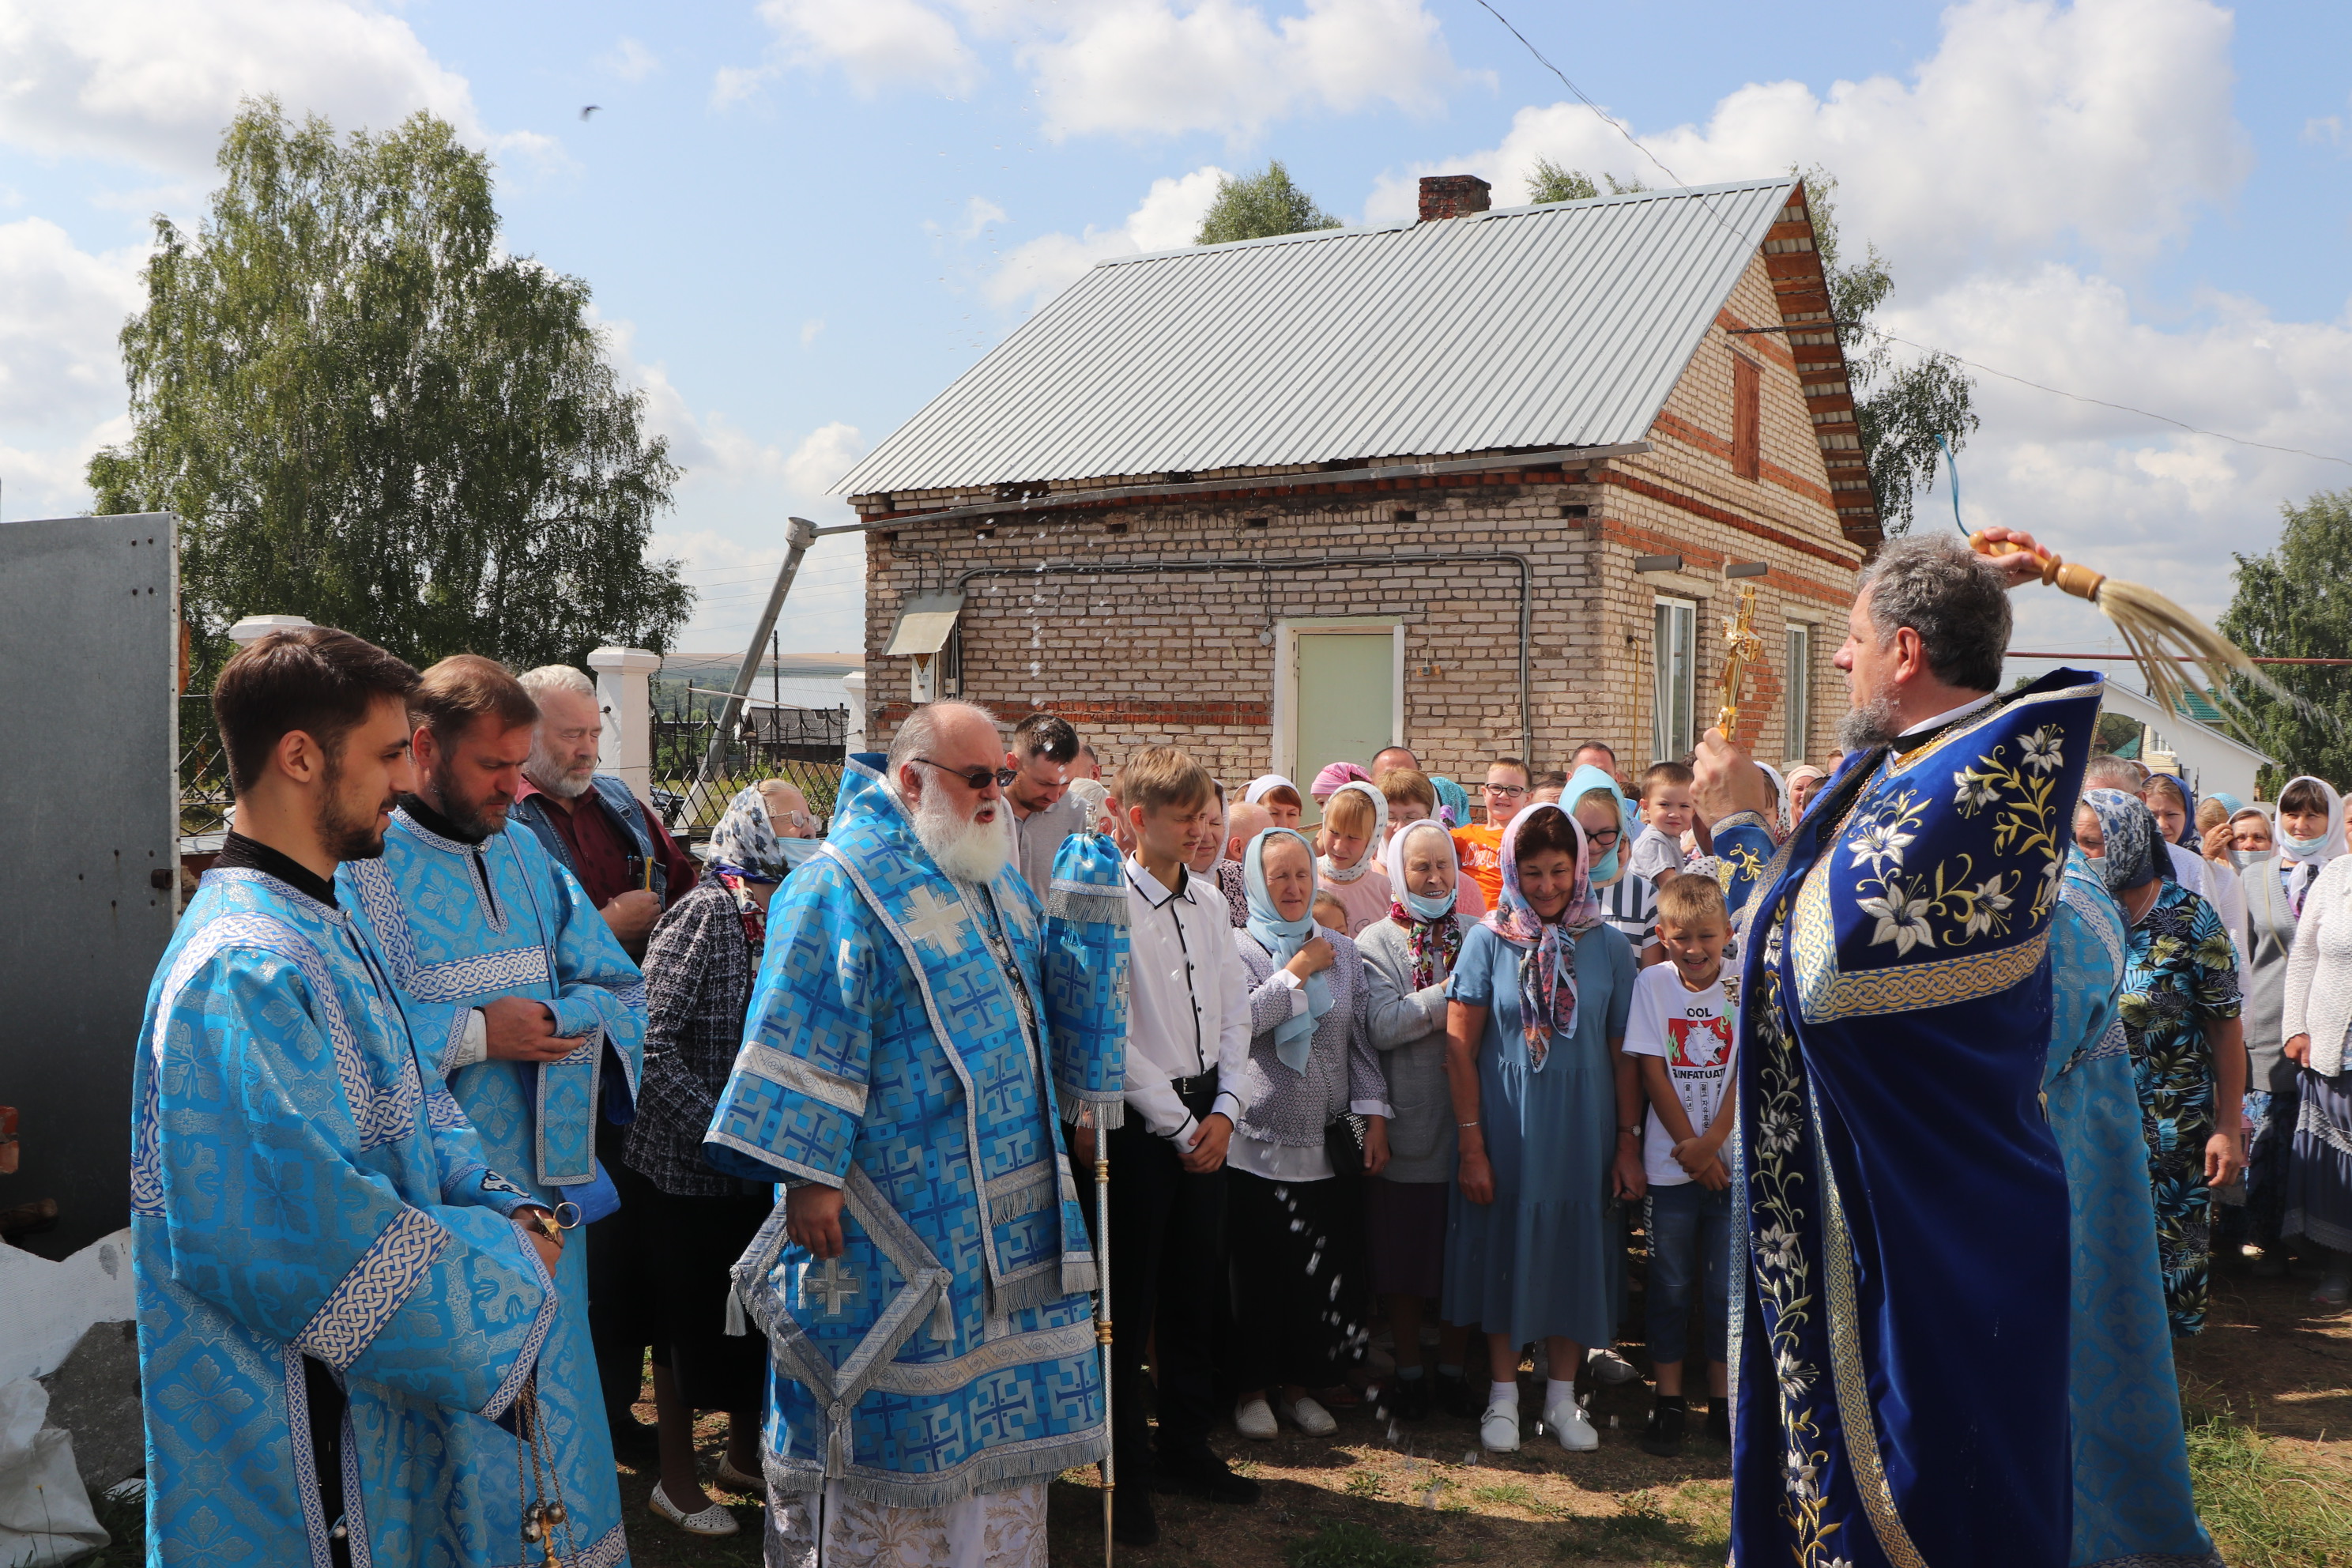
[{"x": 2183, "y": 975}]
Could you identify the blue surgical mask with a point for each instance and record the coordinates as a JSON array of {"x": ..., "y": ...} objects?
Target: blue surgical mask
[
  {"x": 2302, "y": 848},
  {"x": 1427, "y": 908},
  {"x": 1604, "y": 870},
  {"x": 799, "y": 852}
]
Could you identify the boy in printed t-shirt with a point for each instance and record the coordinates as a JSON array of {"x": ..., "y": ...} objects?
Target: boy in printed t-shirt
[
  {"x": 1668, "y": 807},
  {"x": 1684, "y": 1018}
]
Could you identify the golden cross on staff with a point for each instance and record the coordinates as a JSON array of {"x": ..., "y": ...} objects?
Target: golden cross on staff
[{"x": 1742, "y": 647}]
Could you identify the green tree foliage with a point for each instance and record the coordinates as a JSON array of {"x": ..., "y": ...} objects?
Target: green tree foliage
[
  {"x": 1901, "y": 409},
  {"x": 1260, "y": 206},
  {"x": 2296, "y": 603},
  {"x": 364, "y": 412},
  {"x": 1549, "y": 181}
]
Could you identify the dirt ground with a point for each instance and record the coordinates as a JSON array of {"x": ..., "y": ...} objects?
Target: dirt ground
[{"x": 2269, "y": 1358}]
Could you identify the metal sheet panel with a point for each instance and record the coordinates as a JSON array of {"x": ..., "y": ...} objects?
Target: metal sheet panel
[
  {"x": 1560, "y": 325},
  {"x": 88, "y": 716},
  {"x": 925, "y": 625}
]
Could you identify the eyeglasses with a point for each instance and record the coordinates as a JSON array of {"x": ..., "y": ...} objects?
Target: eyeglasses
[
  {"x": 1603, "y": 838},
  {"x": 792, "y": 819},
  {"x": 1505, "y": 790},
  {"x": 978, "y": 779}
]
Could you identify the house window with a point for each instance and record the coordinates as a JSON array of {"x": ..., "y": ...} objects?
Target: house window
[
  {"x": 1746, "y": 418},
  {"x": 1799, "y": 670},
  {"x": 1672, "y": 735}
]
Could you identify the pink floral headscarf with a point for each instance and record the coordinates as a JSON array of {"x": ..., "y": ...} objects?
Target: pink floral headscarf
[{"x": 1547, "y": 969}]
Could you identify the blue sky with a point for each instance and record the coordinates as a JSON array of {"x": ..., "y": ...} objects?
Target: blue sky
[{"x": 803, "y": 218}]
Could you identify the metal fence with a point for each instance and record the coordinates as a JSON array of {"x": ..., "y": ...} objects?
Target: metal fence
[
  {"x": 803, "y": 746},
  {"x": 204, "y": 793}
]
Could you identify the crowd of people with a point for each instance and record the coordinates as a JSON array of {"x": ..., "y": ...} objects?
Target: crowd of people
[{"x": 1393, "y": 1078}]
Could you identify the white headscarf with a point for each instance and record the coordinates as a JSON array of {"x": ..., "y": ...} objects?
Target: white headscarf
[
  {"x": 2330, "y": 845},
  {"x": 1372, "y": 845},
  {"x": 1265, "y": 782}
]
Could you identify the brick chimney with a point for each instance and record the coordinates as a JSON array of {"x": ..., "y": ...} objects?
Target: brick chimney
[{"x": 1453, "y": 196}]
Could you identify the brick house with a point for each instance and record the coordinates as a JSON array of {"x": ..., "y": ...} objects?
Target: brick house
[{"x": 1488, "y": 483}]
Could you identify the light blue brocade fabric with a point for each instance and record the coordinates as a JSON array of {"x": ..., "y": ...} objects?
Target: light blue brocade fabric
[
  {"x": 298, "y": 1188},
  {"x": 950, "y": 1348},
  {"x": 2132, "y": 1496},
  {"x": 452, "y": 944}
]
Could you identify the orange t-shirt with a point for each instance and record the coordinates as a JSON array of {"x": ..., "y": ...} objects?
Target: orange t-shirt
[{"x": 1481, "y": 849}]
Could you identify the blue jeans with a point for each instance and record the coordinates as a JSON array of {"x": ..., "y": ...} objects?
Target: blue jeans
[{"x": 1690, "y": 1243}]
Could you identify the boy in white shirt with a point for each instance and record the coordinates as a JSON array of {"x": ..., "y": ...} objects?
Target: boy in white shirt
[
  {"x": 1669, "y": 808},
  {"x": 1188, "y": 1041},
  {"x": 1685, "y": 1018}
]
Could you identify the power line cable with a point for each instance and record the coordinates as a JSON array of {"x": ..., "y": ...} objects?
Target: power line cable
[{"x": 1619, "y": 126}]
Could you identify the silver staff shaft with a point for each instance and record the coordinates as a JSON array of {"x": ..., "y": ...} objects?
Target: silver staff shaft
[{"x": 1102, "y": 1316}]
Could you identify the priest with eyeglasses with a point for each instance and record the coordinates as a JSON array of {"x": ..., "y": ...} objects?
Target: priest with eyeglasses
[{"x": 924, "y": 1286}]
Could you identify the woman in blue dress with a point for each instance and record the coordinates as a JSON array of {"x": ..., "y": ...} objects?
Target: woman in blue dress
[
  {"x": 1543, "y": 1098},
  {"x": 2181, "y": 1015},
  {"x": 2133, "y": 1503}
]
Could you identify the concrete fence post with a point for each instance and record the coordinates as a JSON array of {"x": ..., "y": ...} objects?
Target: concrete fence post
[{"x": 625, "y": 692}]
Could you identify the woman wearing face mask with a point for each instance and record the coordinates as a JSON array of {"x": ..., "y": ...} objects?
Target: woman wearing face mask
[
  {"x": 1547, "y": 1114},
  {"x": 1355, "y": 829},
  {"x": 699, "y": 966},
  {"x": 2316, "y": 1017},
  {"x": 1293, "y": 1181},
  {"x": 2180, "y": 1017},
  {"x": 2274, "y": 878},
  {"x": 1408, "y": 958},
  {"x": 2174, "y": 807}
]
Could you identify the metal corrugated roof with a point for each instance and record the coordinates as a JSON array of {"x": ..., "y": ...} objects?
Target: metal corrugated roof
[{"x": 1560, "y": 325}]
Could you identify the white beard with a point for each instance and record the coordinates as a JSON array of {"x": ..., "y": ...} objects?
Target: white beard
[
  {"x": 967, "y": 850},
  {"x": 548, "y": 774}
]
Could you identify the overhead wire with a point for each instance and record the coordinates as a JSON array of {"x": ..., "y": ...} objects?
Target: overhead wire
[{"x": 1619, "y": 126}]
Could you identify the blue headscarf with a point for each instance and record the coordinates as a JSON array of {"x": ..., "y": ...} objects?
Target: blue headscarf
[
  {"x": 744, "y": 843},
  {"x": 1453, "y": 801},
  {"x": 2131, "y": 854},
  {"x": 1588, "y": 778},
  {"x": 1294, "y": 1038}
]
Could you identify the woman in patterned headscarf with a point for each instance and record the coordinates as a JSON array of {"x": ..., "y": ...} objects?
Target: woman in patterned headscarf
[
  {"x": 2180, "y": 1017},
  {"x": 698, "y": 971},
  {"x": 1549, "y": 1114}
]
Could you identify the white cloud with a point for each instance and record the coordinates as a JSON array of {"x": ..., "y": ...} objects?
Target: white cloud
[
  {"x": 1130, "y": 67},
  {"x": 2109, "y": 119},
  {"x": 61, "y": 390},
  {"x": 1168, "y": 216},
  {"x": 153, "y": 82},
  {"x": 875, "y": 42},
  {"x": 629, "y": 60},
  {"x": 811, "y": 330},
  {"x": 1150, "y": 67}
]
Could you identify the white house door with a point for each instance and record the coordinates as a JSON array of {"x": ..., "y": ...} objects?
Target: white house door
[{"x": 1346, "y": 704}]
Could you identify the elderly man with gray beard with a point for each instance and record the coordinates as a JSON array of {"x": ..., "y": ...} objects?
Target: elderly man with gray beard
[{"x": 924, "y": 1286}]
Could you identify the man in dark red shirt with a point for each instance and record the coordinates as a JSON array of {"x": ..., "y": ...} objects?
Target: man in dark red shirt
[
  {"x": 632, "y": 870},
  {"x": 590, "y": 821}
]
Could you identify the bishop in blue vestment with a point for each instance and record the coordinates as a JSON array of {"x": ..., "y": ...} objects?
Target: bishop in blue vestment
[
  {"x": 464, "y": 921},
  {"x": 312, "y": 1219},
  {"x": 943, "y": 1357}
]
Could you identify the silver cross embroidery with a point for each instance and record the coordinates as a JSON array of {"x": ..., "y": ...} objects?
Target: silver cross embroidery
[
  {"x": 828, "y": 1288},
  {"x": 936, "y": 922}
]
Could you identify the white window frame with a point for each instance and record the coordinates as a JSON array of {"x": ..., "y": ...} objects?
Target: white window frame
[
  {"x": 1797, "y": 689},
  {"x": 1286, "y": 679},
  {"x": 1667, "y": 742}
]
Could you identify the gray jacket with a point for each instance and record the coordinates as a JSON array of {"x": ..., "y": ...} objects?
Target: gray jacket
[
  {"x": 1342, "y": 1071},
  {"x": 2271, "y": 921},
  {"x": 1408, "y": 1029},
  {"x": 1037, "y": 839}
]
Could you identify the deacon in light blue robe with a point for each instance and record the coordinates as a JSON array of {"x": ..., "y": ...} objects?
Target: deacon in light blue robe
[
  {"x": 299, "y": 1189},
  {"x": 462, "y": 924},
  {"x": 1900, "y": 1364},
  {"x": 895, "y": 1052},
  {"x": 2133, "y": 1503}
]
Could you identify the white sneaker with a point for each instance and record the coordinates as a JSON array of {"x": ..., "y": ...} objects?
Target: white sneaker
[
  {"x": 1309, "y": 1416},
  {"x": 1254, "y": 1418},
  {"x": 1498, "y": 1429},
  {"x": 1572, "y": 1427},
  {"x": 1609, "y": 1368}
]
